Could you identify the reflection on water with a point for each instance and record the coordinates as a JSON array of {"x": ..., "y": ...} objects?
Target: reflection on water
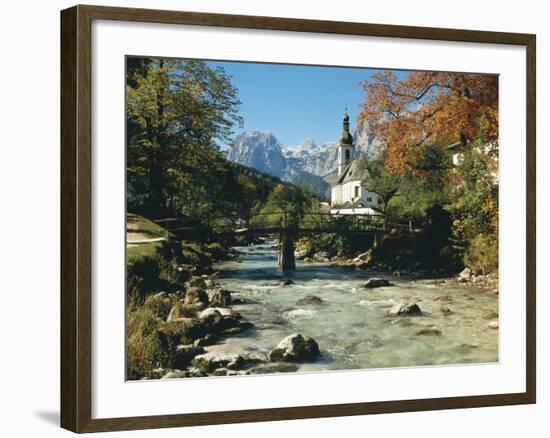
[{"x": 350, "y": 324}]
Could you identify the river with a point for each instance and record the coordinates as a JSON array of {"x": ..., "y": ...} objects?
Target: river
[{"x": 350, "y": 325}]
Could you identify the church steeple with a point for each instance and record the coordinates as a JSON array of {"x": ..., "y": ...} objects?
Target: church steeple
[{"x": 346, "y": 149}]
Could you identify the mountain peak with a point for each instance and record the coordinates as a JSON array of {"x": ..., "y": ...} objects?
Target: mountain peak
[
  {"x": 308, "y": 143},
  {"x": 260, "y": 150}
]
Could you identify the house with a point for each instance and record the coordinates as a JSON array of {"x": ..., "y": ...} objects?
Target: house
[{"x": 351, "y": 194}]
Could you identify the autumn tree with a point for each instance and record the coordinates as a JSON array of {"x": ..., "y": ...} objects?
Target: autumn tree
[
  {"x": 410, "y": 114},
  {"x": 416, "y": 118}
]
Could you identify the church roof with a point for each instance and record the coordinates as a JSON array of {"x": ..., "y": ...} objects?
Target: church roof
[{"x": 357, "y": 170}]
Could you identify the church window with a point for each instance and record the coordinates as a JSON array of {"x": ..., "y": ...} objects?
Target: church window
[
  {"x": 347, "y": 156},
  {"x": 369, "y": 199},
  {"x": 356, "y": 191}
]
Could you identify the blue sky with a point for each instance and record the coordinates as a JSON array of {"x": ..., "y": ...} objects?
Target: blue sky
[{"x": 296, "y": 102}]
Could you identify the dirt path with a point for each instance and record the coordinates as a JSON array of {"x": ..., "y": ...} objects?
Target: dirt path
[{"x": 133, "y": 234}]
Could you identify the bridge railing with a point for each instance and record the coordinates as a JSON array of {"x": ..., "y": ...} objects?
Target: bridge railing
[{"x": 276, "y": 221}]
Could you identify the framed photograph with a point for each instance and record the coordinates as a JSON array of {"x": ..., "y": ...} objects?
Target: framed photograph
[{"x": 269, "y": 218}]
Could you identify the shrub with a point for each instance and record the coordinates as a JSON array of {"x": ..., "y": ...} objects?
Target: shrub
[
  {"x": 151, "y": 343},
  {"x": 143, "y": 351},
  {"x": 482, "y": 254},
  {"x": 194, "y": 254},
  {"x": 216, "y": 250},
  {"x": 148, "y": 275},
  {"x": 158, "y": 306},
  {"x": 333, "y": 244}
]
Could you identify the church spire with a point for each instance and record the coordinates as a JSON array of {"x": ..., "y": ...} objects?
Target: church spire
[
  {"x": 346, "y": 138},
  {"x": 346, "y": 150}
]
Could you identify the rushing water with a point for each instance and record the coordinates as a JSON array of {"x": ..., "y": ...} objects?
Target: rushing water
[{"x": 350, "y": 325}]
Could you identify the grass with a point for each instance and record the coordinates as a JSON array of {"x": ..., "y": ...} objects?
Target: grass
[
  {"x": 136, "y": 252},
  {"x": 149, "y": 229},
  {"x": 145, "y": 226}
]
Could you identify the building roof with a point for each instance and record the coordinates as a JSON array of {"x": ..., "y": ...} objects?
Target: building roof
[{"x": 357, "y": 170}]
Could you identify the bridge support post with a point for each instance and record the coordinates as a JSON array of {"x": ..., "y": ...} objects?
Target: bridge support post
[
  {"x": 377, "y": 239},
  {"x": 287, "y": 261}
]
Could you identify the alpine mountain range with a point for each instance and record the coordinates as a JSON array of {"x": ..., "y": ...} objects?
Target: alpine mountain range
[{"x": 306, "y": 164}]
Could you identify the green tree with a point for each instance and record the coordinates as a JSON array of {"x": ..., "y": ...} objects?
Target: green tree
[
  {"x": 475, "y": 207},
  {"x": 178, "y": 111},
  {"x": 383, "y": 182}
]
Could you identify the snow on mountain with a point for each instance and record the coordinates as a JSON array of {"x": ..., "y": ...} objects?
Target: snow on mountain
[{"x": 322, "y": 160}]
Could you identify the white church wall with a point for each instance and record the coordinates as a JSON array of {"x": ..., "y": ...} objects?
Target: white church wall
[
  {"x": 336, "y": 195},
  {"x": 370, "y": 198},
  {"x": 353, "y": 188},
  {"x": 351, "y": 192}
]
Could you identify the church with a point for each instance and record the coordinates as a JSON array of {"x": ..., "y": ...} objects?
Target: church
[{"x": 351, "y": 194}]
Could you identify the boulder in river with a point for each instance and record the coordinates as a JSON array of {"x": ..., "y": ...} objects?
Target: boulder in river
[
  {"x": 211, "y": 361},
  {"x": 176, "y": 374},
  {"x": 198, "y": 282},
  {"x": 295, "y": 348},
  {"x": 181, "y": 312},
  {"x": 405, "y": 309},
  {"x": 219, "y": 297},
  {"x": 428, "y": 331},
  {"x": 310, "y": 299},
  {"x": 376, "y": 282},
  {"x": 287, "y": 282},
  {"x": 208, "y": 339},
  {"x": 465, "y": 275},
  {"x": 196, "y": 296},
  {"x": 321, "y": 256},
  {"x": 272, "y": 368}
]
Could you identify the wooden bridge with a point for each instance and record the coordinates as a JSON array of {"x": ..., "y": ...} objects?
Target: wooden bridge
[{"x": 287, "y": 226}]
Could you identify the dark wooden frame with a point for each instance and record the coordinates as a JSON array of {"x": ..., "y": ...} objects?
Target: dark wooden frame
[{"x": 76, "y": 174}]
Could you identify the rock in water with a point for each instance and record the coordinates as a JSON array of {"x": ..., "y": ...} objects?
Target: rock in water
[
  {"x": 209, "y": 362},
  {"x": 376, "y": 282},
  {"x": 295, "y": 348},
  {"x": 429, "y": 332},
  {"x": 272, "y": 368},
  {"x": 287, "y": 282},
  {"x": 196, "y": 296},
  {"x": 405, "y": 309},
  {"x": 310, "y": 299},
  {"x": 465, "y": 275},
  {"x": 176, "y": 374},
  {"x": 198, "y": 282},
  {"x": 219, "y": 298},
  {"x": 211, "y": 316}
]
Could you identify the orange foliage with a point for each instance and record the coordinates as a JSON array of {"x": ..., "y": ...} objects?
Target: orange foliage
[{"x": 409, "y": 114}]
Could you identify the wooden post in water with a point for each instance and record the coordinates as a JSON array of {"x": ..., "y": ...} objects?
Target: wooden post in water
[
  {"x": 286, "y": 251},
  {"x": 377, "y": 239}
]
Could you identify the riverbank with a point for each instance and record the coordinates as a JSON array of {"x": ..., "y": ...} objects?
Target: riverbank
[{"x": 366, "y": 261}]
